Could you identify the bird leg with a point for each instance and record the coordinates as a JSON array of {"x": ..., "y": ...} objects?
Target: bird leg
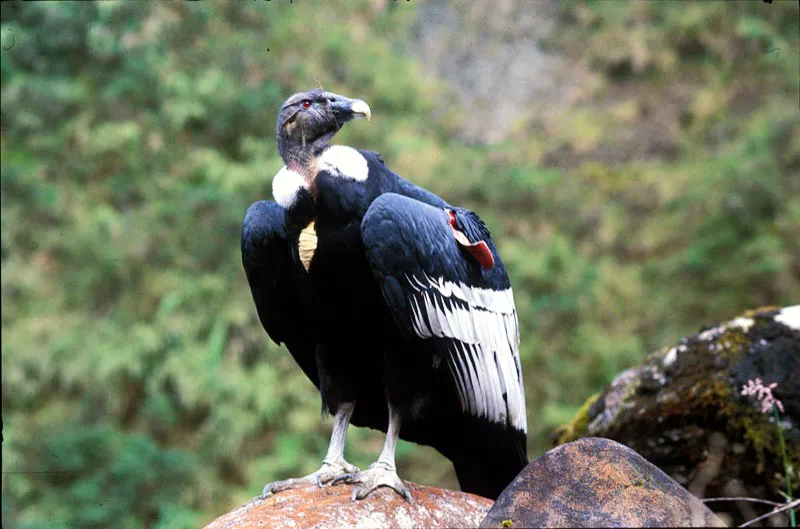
[
  {"x": 382, "y": 473},
  {"x": 334, "y": 463}
]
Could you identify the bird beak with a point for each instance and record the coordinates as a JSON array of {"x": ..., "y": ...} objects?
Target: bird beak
[
  {"x": 360, "y": 108},
  {"x": 346, "y": 109}
]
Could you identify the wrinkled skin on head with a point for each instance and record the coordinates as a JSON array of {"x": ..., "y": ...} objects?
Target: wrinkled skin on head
[{"x": 308, "y": 120}]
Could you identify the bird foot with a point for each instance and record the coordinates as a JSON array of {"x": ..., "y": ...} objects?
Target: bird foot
[
  {"x": 378, "y": 474},
  {"x": 326, "y": 474}
]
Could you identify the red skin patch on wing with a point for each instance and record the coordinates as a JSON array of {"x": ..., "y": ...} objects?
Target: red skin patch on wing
[{"x": 479, "y": 250}]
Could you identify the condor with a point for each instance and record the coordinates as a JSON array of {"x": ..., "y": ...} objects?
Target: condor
[{"x": 393, "y": 302}]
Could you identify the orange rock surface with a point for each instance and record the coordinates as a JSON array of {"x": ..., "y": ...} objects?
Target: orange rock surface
[{"x": 331, "y": 507}]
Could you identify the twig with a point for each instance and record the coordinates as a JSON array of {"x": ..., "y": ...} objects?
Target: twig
[
  {"x": 776, "y": 510},
  {"x": 787, "y": 470},
  {"x": 754, "y": 500}
]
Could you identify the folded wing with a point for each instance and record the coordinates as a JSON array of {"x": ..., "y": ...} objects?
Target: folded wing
[
  {"x": 437, "y": 290},
  {"x": 274, "y": 283}
]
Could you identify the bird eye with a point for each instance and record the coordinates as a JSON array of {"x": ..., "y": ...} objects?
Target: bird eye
[{"x": 306, "y": 103}]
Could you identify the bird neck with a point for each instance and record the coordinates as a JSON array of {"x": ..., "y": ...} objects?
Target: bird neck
[{"x": 300, "y": 154}]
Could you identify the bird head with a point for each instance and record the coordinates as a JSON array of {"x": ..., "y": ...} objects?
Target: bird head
[{"x": 308, "y": 120}]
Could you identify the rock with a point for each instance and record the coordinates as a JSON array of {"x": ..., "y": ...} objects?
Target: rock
[
  {"x": 682, "y": 410},
  {"x": 596, "y": 482},
  {"x": 331, "y": 507}
]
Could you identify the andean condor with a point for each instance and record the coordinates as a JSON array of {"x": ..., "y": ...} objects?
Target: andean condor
[{"x": 393, "y": 302}]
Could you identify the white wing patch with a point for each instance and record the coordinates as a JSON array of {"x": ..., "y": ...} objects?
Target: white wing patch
[
  {"x": 286, "y": 185},
  {"x": 482, "y": 328},
  {"x": 344, "y": 162}
]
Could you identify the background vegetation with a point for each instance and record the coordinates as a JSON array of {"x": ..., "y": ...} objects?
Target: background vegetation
[{"x": 138, "y": 387}]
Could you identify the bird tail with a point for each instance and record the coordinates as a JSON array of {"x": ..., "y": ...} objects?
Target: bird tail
[{"x": 489, "y": 458}]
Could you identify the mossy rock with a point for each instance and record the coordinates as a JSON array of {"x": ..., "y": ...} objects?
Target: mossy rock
[{"x": 682, "y": 409}]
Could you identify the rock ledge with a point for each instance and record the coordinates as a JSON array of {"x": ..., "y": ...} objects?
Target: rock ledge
[{"x": 331, "y": 507}]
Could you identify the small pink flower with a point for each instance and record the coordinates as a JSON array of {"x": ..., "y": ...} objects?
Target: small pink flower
[{"x": 763, "y": 394}]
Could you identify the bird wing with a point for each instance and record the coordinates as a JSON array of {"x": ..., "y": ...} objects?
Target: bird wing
[
  {"x": 275, "y": 283},
  {"x": 437, "y": 289}
]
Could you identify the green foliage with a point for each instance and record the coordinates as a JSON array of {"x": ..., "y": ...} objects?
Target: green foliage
[
  {"x": 136, "y": 376},
  {"x": 97, "y": 476}
]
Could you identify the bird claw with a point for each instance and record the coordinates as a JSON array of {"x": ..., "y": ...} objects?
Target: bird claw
[
  {"x": 277, "y": 486},
  {"x": 326, "y": 473},
  {"x": 344, "y": 478},
  {"x": 376, "y": 476}
]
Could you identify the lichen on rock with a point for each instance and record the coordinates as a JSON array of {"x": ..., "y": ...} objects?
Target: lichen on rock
[{"x": 669, "y": 407}]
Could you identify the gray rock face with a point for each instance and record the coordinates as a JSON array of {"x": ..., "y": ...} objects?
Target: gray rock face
[
  {"x": 492, "y": 52},
  {"x": 596, "y": 482}
]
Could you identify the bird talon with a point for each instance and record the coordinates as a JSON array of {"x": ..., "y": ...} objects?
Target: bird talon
[
  {"x": 266, "y": 492},
  {"x": 376, "y": 476},
  {"x": 344, "y": 478},
  {"x": 405, "y": 493}
]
